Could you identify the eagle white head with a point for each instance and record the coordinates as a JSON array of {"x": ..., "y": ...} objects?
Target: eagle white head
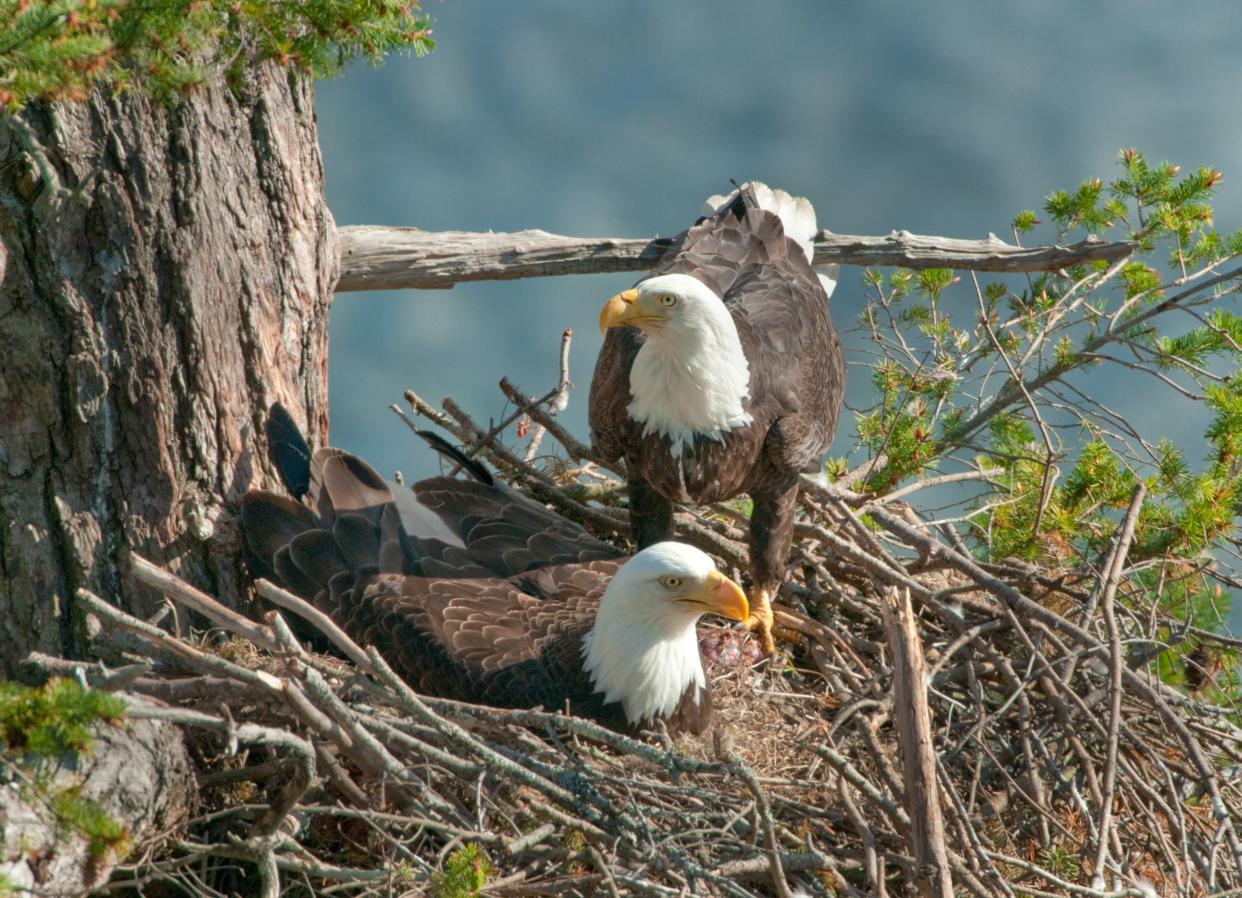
[
  {"x": 643, "y": 650},
  {"x": 691, "y": 375}
]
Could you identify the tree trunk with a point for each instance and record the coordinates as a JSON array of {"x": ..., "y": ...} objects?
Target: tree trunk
[{"x": 168, "y": 270}]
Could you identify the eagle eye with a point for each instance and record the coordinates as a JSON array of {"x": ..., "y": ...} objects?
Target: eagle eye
[
  {"x": 670, "y": 583},
  {"x": 668, "y": 300}
]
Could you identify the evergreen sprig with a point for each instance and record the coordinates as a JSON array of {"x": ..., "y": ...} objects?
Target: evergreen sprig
[
  {"x": 997, "y": 376},
  {"x": 39, "y": 726},
  {"x": 63, "y": 49},
  {"x": 86, "y": 818},
  {"x": 52, "y": 719},
  {"x": 465, "y": 873}
]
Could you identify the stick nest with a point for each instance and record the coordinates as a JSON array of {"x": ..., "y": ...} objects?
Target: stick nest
[{"x": 1064, "y": 765}]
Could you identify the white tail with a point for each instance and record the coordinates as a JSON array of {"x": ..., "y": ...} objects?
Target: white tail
[{"x": 797, "y": 216}]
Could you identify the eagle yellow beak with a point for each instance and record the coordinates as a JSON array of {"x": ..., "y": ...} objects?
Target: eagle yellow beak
[
  {"x": 616, "y": 311},
  {"x": 724, "y": 597}
]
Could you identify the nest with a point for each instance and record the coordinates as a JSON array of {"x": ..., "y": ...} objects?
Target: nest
[{"x": 1054, "y": 761}]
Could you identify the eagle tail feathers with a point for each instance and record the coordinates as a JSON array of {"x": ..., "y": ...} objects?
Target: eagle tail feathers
[
  {"x": 796, "y": 213},
  {"x": 474, "y": 467},
  {"x": 287, "y": 449},
  {"x": 797, "y": 217},
  {"x": 350, "y": 519},
  {"x": 352, "y": 511}
]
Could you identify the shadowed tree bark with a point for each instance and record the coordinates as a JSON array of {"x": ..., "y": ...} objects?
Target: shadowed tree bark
[{"x": 168, "y": 269}]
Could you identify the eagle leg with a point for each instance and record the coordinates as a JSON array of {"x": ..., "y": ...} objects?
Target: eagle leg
[
  {"x": 771, "y": 530},
  {"x": 651, "y": 515}
]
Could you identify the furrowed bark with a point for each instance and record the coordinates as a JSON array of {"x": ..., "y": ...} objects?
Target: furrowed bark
[{"x": 169, "y": 269}]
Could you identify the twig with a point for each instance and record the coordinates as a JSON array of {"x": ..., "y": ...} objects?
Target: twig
[
  {"x": 555, "y": 399},
  {"x": 313, "y": 615},
  {"x": 193, "y": 656},
  {"x": 765, "y": 822},
  {"x": 1116, "y": 665},
  {"x": 180, "y": 591}
]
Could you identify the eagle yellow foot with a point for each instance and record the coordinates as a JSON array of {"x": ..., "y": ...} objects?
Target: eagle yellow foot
[{"x": 761, "y": 623}]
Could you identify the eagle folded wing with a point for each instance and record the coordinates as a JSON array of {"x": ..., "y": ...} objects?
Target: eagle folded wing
[{"x": 484, "y": 640}]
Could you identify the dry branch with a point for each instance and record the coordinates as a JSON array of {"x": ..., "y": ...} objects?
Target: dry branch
[
  {"x": 390, "y": 258},
  {"x": 1116, "y": 660},
  {"x": 913, "y": 719}
]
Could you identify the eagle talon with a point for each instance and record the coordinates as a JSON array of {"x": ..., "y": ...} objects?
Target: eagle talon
[
  {"x": 760, "y": 621},
  {"x": 785, "y": 634}
]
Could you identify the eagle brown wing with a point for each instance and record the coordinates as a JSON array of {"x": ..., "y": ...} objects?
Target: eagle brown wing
[
  {"x": 497, "y": 619},
  {"x": 483, "y": 639},
  {"x": 798, "y": 369},
  {"x": 503, "y": 531},
  {"x": 609, "y": 400}
]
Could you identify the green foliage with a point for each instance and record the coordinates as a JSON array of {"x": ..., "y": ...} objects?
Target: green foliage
[
  {"x": 999, "y": 376},
  {"x": 1219, "y": 336},
  {"x": 54, "y": 718},
  {"x": 61, "y": 49},
  {"x": 39, "y": 725},
  {"x": 87, "y": 819},
  {"x": 1139, "y": 278},
  {"x": 1189, "y": 663},
  {"x": 464, "y": 875},
  {"x": 1081, "y": 208},
  {"x": 931, "y": 281},
  {"x": 1061, "y": 861},
  {"x": 1025, "y": 221},
  {"x": 900, "y": 427}
]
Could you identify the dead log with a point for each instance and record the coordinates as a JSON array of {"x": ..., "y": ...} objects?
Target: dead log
[{"x": 387, "y": 258}]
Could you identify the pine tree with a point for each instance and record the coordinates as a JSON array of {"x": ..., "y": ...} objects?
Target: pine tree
[{"x": 63, "y": 49}]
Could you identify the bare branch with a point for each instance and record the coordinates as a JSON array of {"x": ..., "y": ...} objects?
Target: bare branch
[
  {"x": 388, "y": 258},
  {"x": 1112, "y": 576}
]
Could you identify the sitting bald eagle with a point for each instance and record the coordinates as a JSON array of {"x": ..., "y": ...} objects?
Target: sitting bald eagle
[
  {"x": 722, "y": 374},
  {"x": 474, "y": 592}
]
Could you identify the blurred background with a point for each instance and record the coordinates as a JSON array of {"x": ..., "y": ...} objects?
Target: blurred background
[{"x": 619, "y": 119}]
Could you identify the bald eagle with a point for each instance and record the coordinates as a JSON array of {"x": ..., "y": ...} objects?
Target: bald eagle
[
  {"x": 722, "y": 374},
  {"x": 474, "y": 592}
]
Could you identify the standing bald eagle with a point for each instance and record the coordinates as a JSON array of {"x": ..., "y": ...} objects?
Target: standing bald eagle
[
  {"x": 722, "y": 374},
  {"x": 474, "y": 592}
]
